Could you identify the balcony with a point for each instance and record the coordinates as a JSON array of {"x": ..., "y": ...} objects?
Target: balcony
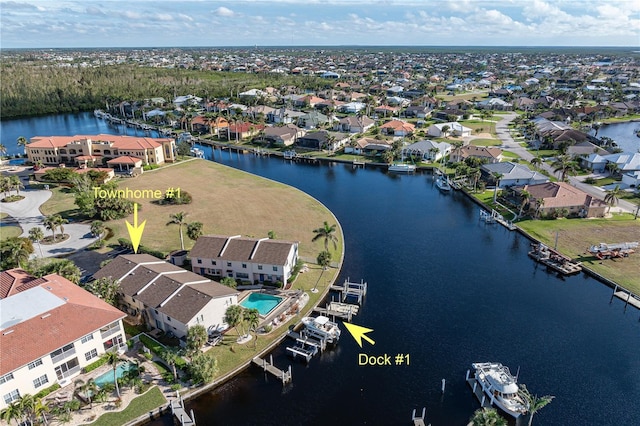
[
  {"x": 63, "y": 355},
  {"x": 109, "y": 332}
]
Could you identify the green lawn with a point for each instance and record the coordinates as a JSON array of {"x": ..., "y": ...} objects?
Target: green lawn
[
  {"x": 61, "y": 202},
  {"x": 150, "y": 401},
  {"x": 486, "y": 142},
  {"x": 510, "y": 154},
  {"x": 10, "y": 232}
]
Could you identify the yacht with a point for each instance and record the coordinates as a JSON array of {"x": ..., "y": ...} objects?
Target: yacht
[
  {"x": 402, "y": 168},
  {"x": 500, "y": 387},
  {"x": 322, "y": 327},
  {"x": 442, "y": 182}
]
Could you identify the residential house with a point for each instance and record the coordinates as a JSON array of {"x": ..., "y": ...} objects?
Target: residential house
[
  {"x": 55, "y": 150},
  {"x": 449, "y": 114},
  {"x": 282, "y": 135},
  {"x": 253, "y": 260},
  {"x": 594, "y": 162},
  {"x": 316, "y": 140},
  {"x": 351, "y": 124},
  {"x": 513, "y": 174},
  {"x": 452, "y": 129},
  {"x": 352, "y": 107},
  {"x": 307, "y": 101},
  {"x": 187, "y": 100},
  {"x": 397, "y": 128},
  {"x": 486, "y": 154},
  {"x": 417, "y": 111},
  {"x": 243, "y": 130},
  {"x": 386, "y": 110},
  {"x": 555, "y": 196},
  {"x": 626, "y": 161},
  {"x": 631, "y": 179},
  {"x": 167, "y": 297},
  {"x": 584, "y": 149},
  {"x": 427, "y": 150},
  {"x": 368, "y": 146},
  {"x": 495, "y": 104},
  {"x": 312, "y": 120},
  {"x": 284, "y": 115},
  {"x": 50, "y": 329}
]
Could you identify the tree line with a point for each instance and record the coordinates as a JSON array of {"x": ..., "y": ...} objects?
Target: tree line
[{"x": 39, "y": 88}]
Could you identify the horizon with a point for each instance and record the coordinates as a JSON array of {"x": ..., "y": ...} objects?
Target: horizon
[{"x": 61, "y": 24}]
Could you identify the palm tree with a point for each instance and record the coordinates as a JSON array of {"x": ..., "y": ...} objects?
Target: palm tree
[
  {"x": 88, "y": 389},
  {"x": 540, "y": 205},
  {"x": 252, "y": 317},
  {"x": 51, "y": 224},
  {"x": 3, "y": 149},
  {"x": 535, "y": 403},
  {"x": 565, "y": 165},
  {"x": 178, "y": 219},
  {"x": 525, "y": 197},
  {"x": 487, "y": 416},
  {"x": 27, "y": 403},
  {"x": 536, "y": 162},
  {"x": 22, "y": 141},
  {"x": 40, "y": 408},
  {"x": 194, "y": 230},
  {"x": 12, "y": 412},
  {"x": 445, "y": 131},
  {"x": 324, "y": 260},
  {"x": 233, "y": 316},
  {"x": 612, "y": 168},
  {"x": 15, "y": 183},
  {"x": 113, "y": 359},
  {"x": 612, "y": 197},
  {"x": 497, "y": 176},
  {"x": 97, "y": 229},
  {"x": 170, "y": 356},
  {"x": 36, "y": 234},
  {"x": 327, "y": 233}
]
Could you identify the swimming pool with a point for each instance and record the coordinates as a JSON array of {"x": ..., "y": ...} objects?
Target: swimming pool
[
  {"x": 264, "y": 303},
  {"x": 107, "y": 377}
]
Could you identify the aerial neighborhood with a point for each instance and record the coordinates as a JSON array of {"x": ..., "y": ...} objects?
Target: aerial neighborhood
[{"x": 519, "y": 132}]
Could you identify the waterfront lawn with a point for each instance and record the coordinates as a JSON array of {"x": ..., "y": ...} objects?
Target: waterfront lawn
[
  {"x": 227, "y": 202},
  {"x": 576, "y": 235},
  {"x": 139, "y": 406}
]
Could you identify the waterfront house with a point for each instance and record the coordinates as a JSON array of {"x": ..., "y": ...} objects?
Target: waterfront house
[
  {"x": 417, "y": 111},
  {"x": 282, "y": 135},
  {"x": 513, "y": 174},
  {"x": 427, "y": 150},
  {"x": 312, "y": 120},
  {"x": 50, "y": 329},
  {"x": 550, "y": 197},
  {"x": 453, "y": 129},
  {"x": 167, "y": 297},
  {"x": 55, "y": 150},
  {"x": 397, "y": 128},
  {"x": 368, "y": 146},
  {"x": 284, "y": 115},
  {"x": 263, "y": 261},
  {"x": 351, "y": 124},
  {"x": 486, "y": 154}
]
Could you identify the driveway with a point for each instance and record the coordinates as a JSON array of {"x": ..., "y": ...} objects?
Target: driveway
[
  {"x": 26, "y": 214},
  {"x": 508, "y": 143}
]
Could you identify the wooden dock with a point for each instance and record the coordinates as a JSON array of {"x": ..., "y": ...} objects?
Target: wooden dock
[
  {"x": 178, "y": 411},
  {"x": 349, "y": 289},
  {"x": 309, "y": 338},
  {"x": 419, "y": 420},
  {"x": 338, "y": 309},
  {"x": 554, "y": 259},
  {"x": 626, "y": 296},
  {"x": 284, "y": 376}
]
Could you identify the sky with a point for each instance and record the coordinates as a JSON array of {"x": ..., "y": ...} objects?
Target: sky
[{"x": 164, "y": 23}]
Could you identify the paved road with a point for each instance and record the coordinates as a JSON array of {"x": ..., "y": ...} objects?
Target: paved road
[
  {"x": 502, "y": 129},
  {"x": 26, "y": 214}
]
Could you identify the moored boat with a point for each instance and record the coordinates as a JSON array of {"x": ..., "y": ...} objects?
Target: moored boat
[
  {"x": 323, "y": 327},
  {"x": 442, "y": 182},
  {"x": 402, "y": 168},
  {"x": 500, "y": 387}
]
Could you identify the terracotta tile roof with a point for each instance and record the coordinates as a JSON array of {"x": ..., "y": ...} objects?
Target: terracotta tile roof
[
  {"x": 559, "y": 195},
  {"x": 399, "y": 125},
  {"x": 13, "y": 281},
  {"x": 120, "y": 142},
  {"x": 79, "y": 314},
  {"x": 125, "y": 159}
]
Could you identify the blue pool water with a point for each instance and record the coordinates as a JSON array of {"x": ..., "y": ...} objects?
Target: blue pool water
[
  {"x": 264, "y": 303},
  {"x": 107, "y": 377}
]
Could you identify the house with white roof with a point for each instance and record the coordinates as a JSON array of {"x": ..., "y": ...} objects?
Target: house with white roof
[
  {"x": 427, "y": 150},
  {"x": 454, "y": 129},
  {"x": 631, "y": 179},
  {"x": 513, "y": 174},
  {"x": 50, "y": 329}
]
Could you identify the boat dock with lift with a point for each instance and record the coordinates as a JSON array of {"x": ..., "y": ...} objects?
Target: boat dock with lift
[
  {"x": 268, "y": 367},
  {"x": 180, "y": 414},
  {"x": 349, "y": 289},
  {"x": 495, "y": 217}
]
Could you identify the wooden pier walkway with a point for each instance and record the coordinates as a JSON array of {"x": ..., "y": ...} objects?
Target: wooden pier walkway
[
  {"x": 178, "y": 411},
  {"x": 627, "y": 297},
  {"x": 284, "y": 376},
  {"x": 339, "y": 310}
]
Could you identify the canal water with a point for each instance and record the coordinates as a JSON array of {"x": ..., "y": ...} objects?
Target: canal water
[{"x": 445, "y": 290}]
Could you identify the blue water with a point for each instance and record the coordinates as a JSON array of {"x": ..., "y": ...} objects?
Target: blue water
[
  {"x": 624, "y": 134},
  {"x": 447, "y": 290},
  {"x": 107, "y": 377},
  {"x": 264, "y": 303}
]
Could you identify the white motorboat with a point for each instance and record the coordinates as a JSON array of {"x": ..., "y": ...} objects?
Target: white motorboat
[
  {"x": 500, "y": 387},
  {"x": 402, "y": 168},
  {"x": 322, "y": 327},
  {"x": 442, "y": 182}
]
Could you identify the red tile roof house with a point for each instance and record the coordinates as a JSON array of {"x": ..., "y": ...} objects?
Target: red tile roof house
[
  {"x": 167, "y": 297},
  {"x": 556, "y": 196},
  {"x": 51, "y": 329},
  {"x": 397, "y": 128},
  {"x": 257, "y": 261},
  {"x": 55, "y": 150}
]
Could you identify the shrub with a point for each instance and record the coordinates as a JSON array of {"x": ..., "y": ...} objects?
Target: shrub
[
  {"x": 94, "y": 365},
  {"x": 47, "y": 391},
  {"x": 148, "y": 356},
  {"x": 176, "y": 387}
]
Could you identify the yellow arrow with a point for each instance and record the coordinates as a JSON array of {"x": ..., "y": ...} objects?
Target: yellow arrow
[
  {"x": 135, "y": 231},
  {"x": 359, "y": 332}
]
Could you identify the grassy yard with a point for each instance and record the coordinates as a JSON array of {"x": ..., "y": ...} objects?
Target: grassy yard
[
  {"x": 576, "y": 235},
  {"x": 139, "y": 406},
  {"x": 228, "y": 202},
  {"x": 61, "y": 202},
  {"x": 486, "y": 142}
]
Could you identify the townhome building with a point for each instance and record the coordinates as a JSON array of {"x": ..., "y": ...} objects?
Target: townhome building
[
  {"x": 248, "y": 259},
  {"x": 166, "y": 297},
  {"x": 50, "y": 329},
  {"x": 55, "y": 150}
]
